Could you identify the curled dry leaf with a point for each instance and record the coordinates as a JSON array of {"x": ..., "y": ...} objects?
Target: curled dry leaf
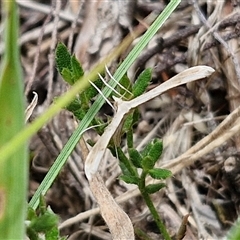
[
  {"x": 183, "y": 228},
  {"x": 31, "y": 106},
  {"x": 117, "y": 220}
]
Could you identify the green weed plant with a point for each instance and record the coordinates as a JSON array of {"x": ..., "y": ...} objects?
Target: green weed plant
[{"x": 134, "y": 160}]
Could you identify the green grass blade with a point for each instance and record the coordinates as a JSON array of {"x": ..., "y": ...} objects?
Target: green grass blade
[
  {"x": 68, "y": 148},
  {"x": 13, "y": 169}
]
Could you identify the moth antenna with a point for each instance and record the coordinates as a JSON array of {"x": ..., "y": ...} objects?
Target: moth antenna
[
  {"x": 121, "y": 86},
  {"x": 114, "y": 90},
  {"x": 100, "y": 92}
]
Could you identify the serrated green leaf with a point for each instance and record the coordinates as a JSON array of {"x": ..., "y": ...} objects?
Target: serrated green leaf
[
  {"x": 136, "y": 116},
  {"x": 126, "y": 83},
  {"x": 159, "y": 173},
  {"x": 147, "y": 163},
  {"x": 44, "y": 222},
  {"x": 101, "y": 125},
  {"x": 32, "y": 235},
  {"x": 129, "y": 137},
  {"x": 124, "y": 170},
  {"x": 122, "y": 158},
  {"x": 52, "y": 234},
  {"x": 130, "y": 179},
  {"x": 80, "y": 113},
  {"x": 77, "y": 71},
  {"x": 130, "y": 120},
  {"x": 156, "y": 150},
  {"x": 63, "y": 57},
  {"x": 74, "y": 105},
  {"x": 135, "y": 157},
  {"x": 127, "y": 125},
  {"x": 85, "y": 102},
  {"x": 142, "y": 82},
  {"x": 91, "y": 91},
  {"x": 153, "y": 188},
  {"x": 67, "y": 65},
  {"x": 31, "y": 213},
  {"x": 146, "y": 149},
  {"x": 67, "y": 75}
]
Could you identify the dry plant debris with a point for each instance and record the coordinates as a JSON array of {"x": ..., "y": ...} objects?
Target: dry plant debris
[{"x": 198, "y": 122}]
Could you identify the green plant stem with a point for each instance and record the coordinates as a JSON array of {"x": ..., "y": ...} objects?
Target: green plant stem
[
  {"x": 14, "y": 168},
  {"x": 151, "y": 207},
  {"x": 126, "y": 162},
  {"x": 130, "y": 139}
]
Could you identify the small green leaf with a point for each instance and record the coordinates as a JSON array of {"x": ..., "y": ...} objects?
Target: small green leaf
[
  {"x": 129, "y": 137},
  {"x": 142, "y": 82},
  {"x": 53, "y": 233},
  {"x": 67, "y": 75},
  {"x": 135, "y": 157},
  {"x": 31, "y": 214},
  {"x": 130, "y": 179},
  {"x": 74, "y": 105},
  {"x": 67, "y": 65},
  {"x": 77, "y": 71},
  {"x": 44, "y": 222},
  {"x": 126, "y": 83},
  {"x": 124, "y": 170},
  {"x": 146, "y": 149},
  {"x": 153, "y": 188},
  {"x": 136, "y": 116},
  {"x": 130, "y": 120},
  {"x": 156, "y": 150},
  {"x": 32, "y": 234},
  {"x": 127, "y": 123},
  {"x": 148, "y": 163},
  {"x": 159, "y": 173},
  {"x": 101, "y": 125},
  {"x": 63, "y": 58},
  {"x": 79, "y": 114},
  {"x": 85, "y": 102},
  {"x": 91, "y": 91},
  {"x": 122, "y": 158}
]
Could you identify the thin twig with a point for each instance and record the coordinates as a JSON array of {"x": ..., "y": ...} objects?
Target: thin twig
[
  {"x": 52, "y": 48},
  {"x": 218, "y": 38},
  {"x": 73, "y": 25},
  {"x": 32, "y": 5},
  {"x": 226, "y": 129},
  {"x": 36, "y": 58},
  {"x": 183, "y": 34}
]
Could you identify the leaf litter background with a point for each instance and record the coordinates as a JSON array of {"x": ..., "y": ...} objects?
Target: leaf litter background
[{"x": 208, "y": 190}]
